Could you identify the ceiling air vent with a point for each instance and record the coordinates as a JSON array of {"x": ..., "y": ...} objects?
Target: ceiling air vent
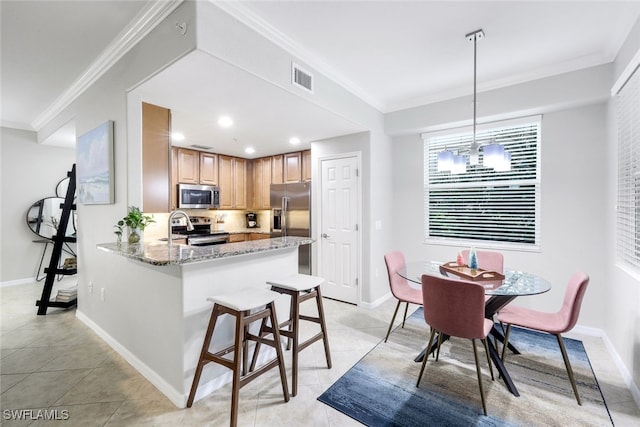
[
  {"x": 201, "y": 147},
  {"x": 301, "y": 78}
]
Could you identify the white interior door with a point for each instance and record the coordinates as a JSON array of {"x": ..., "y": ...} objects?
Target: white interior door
[{"x": 339, "y": 242}]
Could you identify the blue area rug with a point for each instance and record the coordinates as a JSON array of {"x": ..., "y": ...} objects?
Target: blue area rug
[{"x": 380, "y": 390}]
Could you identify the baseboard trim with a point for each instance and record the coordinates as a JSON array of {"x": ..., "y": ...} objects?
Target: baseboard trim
[
  {"x": 172, "y": 394},
  {"x": 376, "y": 303},
  {"x": 617, "y": 360},
  {"x": 16, "y": 282}
]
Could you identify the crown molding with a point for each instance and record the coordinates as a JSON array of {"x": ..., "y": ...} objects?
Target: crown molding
[
  {"x": 243, "y": 14},
  {"x": 145, "y": 21}
]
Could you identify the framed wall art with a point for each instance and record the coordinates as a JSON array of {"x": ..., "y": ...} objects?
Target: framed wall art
[{"x": 94, "y": 151}]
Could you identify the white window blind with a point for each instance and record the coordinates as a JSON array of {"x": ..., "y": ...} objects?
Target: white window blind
[
  {"x": 628, "y": 206},
  {"x": 482, "y": 205}
]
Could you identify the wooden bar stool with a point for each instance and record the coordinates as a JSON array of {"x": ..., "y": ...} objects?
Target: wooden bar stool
[
  {"x": 240, "y": 305},
  {"x": 300, "y": 287}
]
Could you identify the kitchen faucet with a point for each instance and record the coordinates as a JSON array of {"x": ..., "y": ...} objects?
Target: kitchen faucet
[{"x": 171, "y": 217}]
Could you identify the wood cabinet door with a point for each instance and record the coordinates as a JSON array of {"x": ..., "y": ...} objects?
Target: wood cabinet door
[
  {"x": 225, "y": 169},
  {"x": 276, "y": 169},
  {"x": 240, "y": 183},
  {"x": 208, "y": 168},
  {"x": 173, "y": 192},
  {"x": 265, "y": 183},
  {"x": 306, "y": 165},
  {"x": 292, "y": 171},
  {"x": 258, "y": 236},
  {"x": 156, "y": 126},
  {"x": 237, "y": 237},
  {"x": 188, "y": 166}
]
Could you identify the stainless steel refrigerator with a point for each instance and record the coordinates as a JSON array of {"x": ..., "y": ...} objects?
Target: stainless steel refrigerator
[{"x": 291, "y": 216}]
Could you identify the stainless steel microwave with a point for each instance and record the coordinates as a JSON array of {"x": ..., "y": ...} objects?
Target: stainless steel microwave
[{"x": 191, "y": 196}]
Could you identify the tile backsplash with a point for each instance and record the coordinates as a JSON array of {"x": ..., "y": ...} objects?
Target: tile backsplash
[{"x": 234, "y": 220}]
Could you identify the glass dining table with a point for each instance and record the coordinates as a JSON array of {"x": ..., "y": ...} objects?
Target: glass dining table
[{"x": 500, "y": 292}]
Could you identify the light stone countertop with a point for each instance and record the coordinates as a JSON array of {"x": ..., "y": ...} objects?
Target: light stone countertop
[{"x": 157, "y": 252}]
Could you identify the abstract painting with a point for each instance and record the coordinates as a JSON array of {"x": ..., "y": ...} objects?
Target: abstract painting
[{"x": 95, "y": 178}]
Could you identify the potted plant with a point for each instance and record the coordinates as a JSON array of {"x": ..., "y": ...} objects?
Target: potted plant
[{"x": 136, "y": 221}]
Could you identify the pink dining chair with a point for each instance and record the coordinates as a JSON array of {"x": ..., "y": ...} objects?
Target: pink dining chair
[
  {"x": 487, "y": 260},
  {"x": 400, "y": 288},
  {"x": 553, "y": 323},
  {"x": 456, "y": 308}
]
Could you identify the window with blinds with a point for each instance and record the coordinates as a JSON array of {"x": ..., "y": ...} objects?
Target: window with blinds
[
  {"x": 628, "y": 205},
  {"x": 482, "y": 205}
]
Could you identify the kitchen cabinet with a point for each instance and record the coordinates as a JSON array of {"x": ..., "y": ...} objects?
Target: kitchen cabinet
[
  {"x": 306, "y": 165},
  {"x": 261, "y": 183},
  {"x": 258, "y": 236},
  {"x": 173, "y": 191},
  {"x": 156, "y": 123},
  {"x": 188, "y": 166},
  {"x": 276, "y": 169},
  {"x": 208, "y": 174},
  {"x": 232, "y": 182},
  {"x": 292, "y": 167},
  {"x": 196, "y": 167},
  {"x": 237, "y": 237}
]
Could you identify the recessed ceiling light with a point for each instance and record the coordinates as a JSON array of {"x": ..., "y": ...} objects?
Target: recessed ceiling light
[
  {"x": 294, "y": 141},
  {"x": 177, "y": 136},
  {"x": 249, "y": 150},
  {"x": 225, "y": 121}
]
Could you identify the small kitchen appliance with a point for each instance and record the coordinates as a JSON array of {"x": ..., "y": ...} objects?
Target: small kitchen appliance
[{"x": 252, "y": 220}]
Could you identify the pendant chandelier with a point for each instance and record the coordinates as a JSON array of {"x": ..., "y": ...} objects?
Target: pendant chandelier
[{"x": 493, "y": 154}]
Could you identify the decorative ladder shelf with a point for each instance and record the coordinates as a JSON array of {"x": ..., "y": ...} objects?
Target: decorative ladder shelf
[{"x": 58, "y": 241}]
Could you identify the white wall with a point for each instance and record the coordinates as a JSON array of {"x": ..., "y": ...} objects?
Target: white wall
[
  {"x": 622, "y": 320},
  {"x": 29, "y": 172}
]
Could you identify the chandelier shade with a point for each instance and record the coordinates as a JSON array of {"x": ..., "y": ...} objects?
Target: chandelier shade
[{"x": 445, "y": 161}]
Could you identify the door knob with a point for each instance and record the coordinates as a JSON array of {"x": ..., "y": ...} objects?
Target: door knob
[{"x": 325, "y": 235}]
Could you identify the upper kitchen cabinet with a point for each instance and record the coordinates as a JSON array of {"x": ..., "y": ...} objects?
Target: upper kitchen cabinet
[
  {"x": 276, "y": 169},
  {"x": 292, "y": 171},
  {"x": 306, "y": 165},
  {"x": 208, "y": 169},
  {"x": 233, "y": 182},
  {"x": 262, "y": 183},
  {"x": 156, "y": 128},
  {"x": 188, "y": 166},
  {"x": 197, "y": 167}
]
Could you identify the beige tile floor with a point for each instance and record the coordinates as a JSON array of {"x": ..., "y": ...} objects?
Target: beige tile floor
[{"x": 55, "y": 362}]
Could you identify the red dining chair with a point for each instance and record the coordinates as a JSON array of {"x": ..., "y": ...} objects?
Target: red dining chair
[
  {"x": 400, "y": 288},
  {"x": 456, "y": 308},
  {"x": 553, "y": 323},
  {"x": 487, "y": 260}
]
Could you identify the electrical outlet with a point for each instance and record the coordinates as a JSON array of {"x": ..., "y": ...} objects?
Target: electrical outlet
[
  {"x": 102, "y": 294},
  {"x": 90, "y": 287}
]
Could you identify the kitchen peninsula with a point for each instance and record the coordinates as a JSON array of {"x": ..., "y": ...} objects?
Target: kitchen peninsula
[{"x": 157, "y": 316}]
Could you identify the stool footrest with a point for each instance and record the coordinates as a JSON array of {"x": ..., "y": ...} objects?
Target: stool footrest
[
  {"x": 307, "y": 343},
  {"x": 309, "y": 318}
]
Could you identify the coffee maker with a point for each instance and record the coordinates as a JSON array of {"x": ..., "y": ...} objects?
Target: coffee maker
[{"x": 252, "y": 220}]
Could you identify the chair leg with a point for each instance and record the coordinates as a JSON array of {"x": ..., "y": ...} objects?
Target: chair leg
[
  {"x": 487, "y": 343},
  {"x": 506, "y": 343},
  {"x": 237, "y": 361},
  {"x": 439, "y": 344},
  {"x": 475, "y": 354},
  {"x": 568, "y": 366},
  {"x": 279, "y": 355},
  {"x": 426, "y": 356},
  {"x": 392, "y": 320},
  {"x": 323, "y": 328},
  {"x": 202, "y": 361},
  {"x": 295, "y": 328},
  {"x": 406, "y": 308}
]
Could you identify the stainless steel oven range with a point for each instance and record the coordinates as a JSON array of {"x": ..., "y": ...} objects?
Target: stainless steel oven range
[{"x": 201, "y": 235}]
